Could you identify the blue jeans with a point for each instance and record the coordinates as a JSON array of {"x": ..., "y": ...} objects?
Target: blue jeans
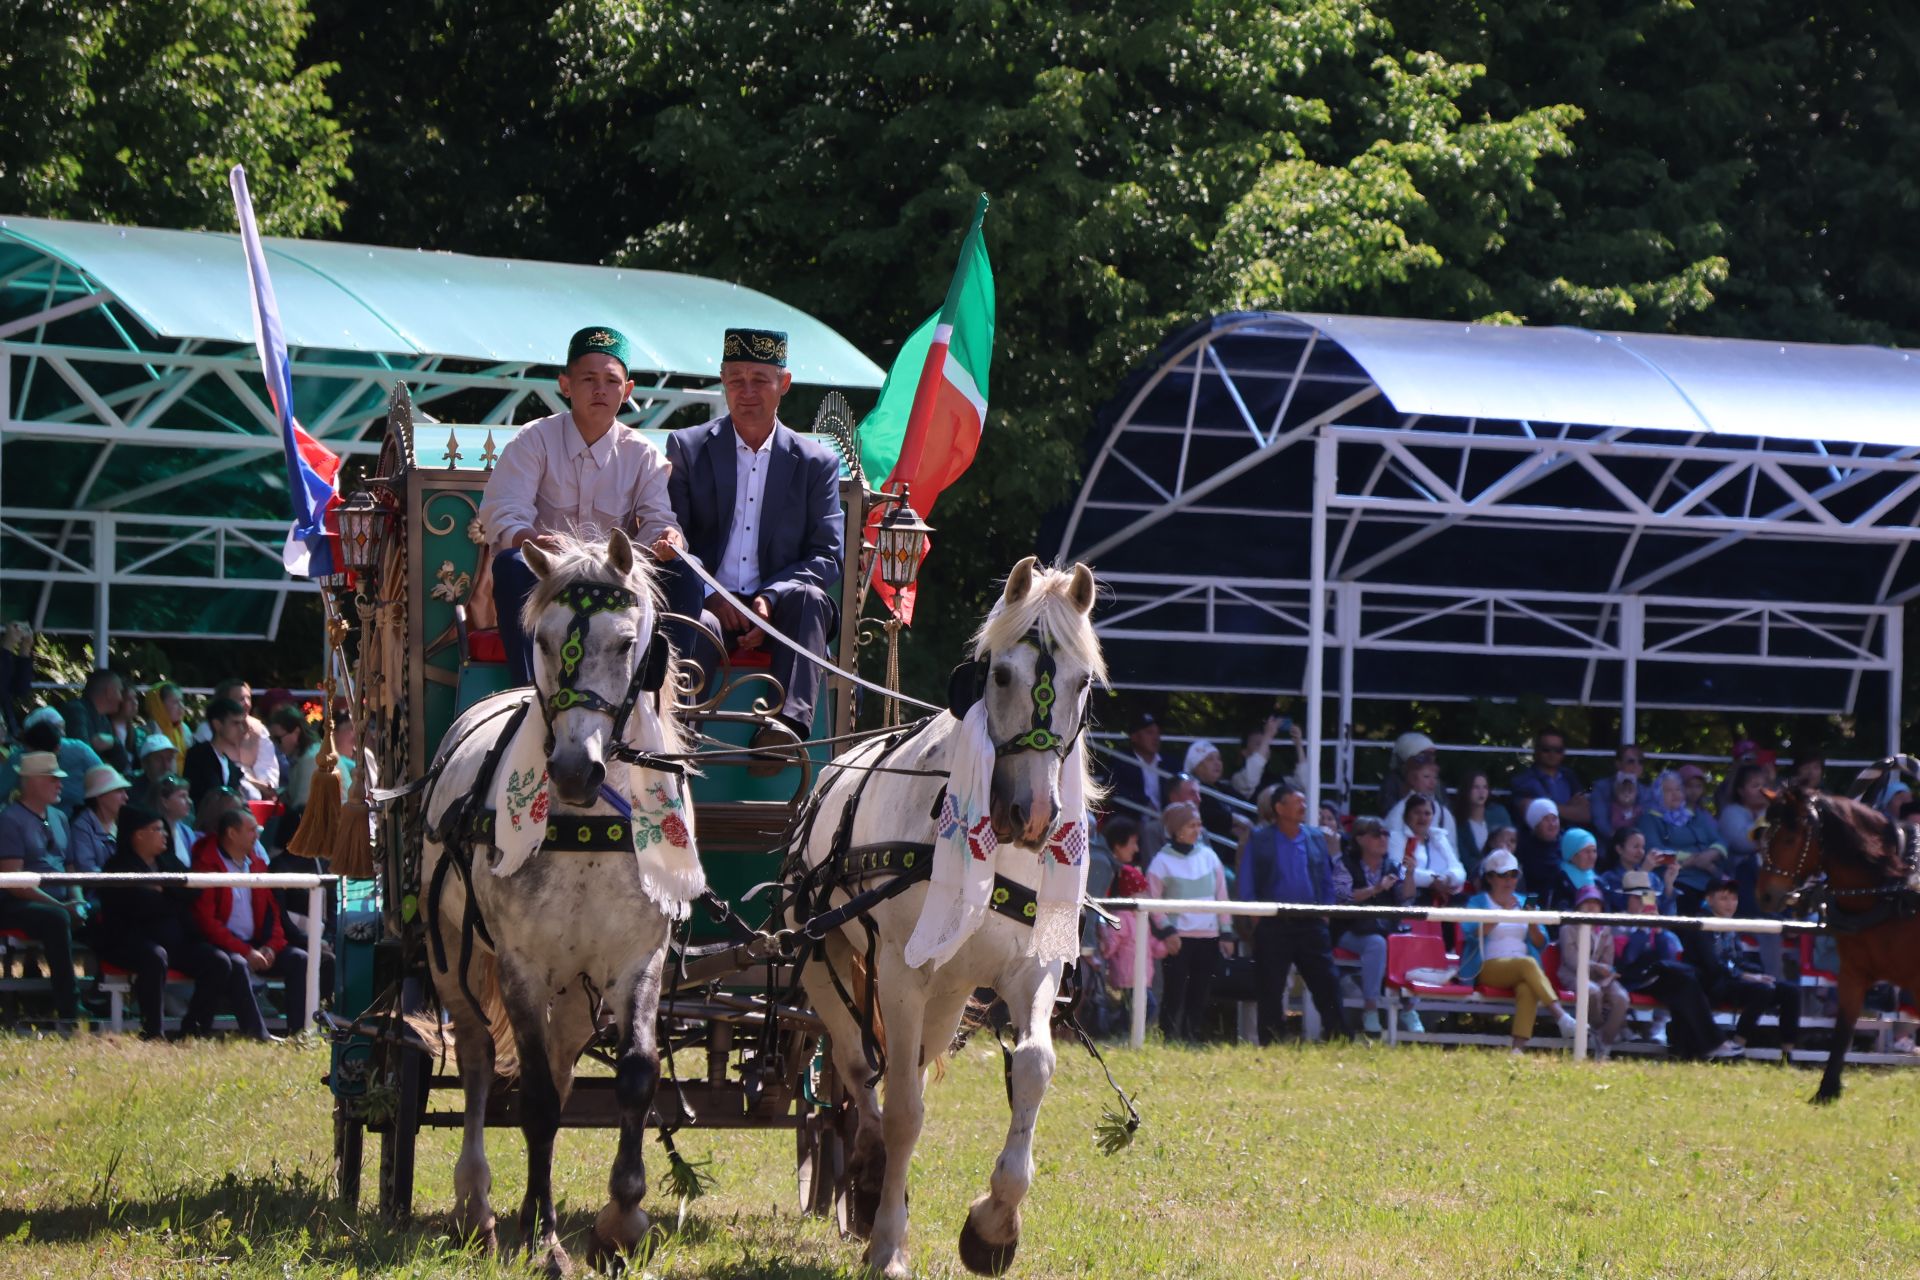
[{"x": 1372, "y": 950}]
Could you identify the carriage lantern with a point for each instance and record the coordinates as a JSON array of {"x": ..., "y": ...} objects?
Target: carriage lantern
[
  {"x": 363, "y": 528},
  {"x": 902, "y": 543}
]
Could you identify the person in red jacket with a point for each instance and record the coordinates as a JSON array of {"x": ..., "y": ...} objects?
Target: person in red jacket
[{"x": 246, "y": 923}]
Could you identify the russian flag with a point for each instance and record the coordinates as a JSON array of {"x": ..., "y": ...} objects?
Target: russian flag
[{"x": 313, "y": 544}]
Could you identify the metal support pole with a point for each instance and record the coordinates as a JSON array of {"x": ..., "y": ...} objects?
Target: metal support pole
[
  {"x": 1582, "y": 988},
  {"x": 1346, "y": 628},
  {"x": 103, "y": 538},
  {"x": 1141, "y": 932},
  {"x": 1633, "y": 616},
  {"x": 1896, "y": 625},
  {"x": 1323, "y": 478},
  {"x": 316, "y": 932}
]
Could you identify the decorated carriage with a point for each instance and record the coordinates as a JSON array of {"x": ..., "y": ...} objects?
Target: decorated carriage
[{"x": 421, "y": 647}]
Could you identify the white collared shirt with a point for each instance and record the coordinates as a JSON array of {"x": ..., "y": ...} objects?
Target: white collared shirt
[
  {"x": 550, "y": 480},
  {"x": 739, "y": 570}
]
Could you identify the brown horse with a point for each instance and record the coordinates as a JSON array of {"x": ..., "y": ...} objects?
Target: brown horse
[{"x": 1868, "y": 866}]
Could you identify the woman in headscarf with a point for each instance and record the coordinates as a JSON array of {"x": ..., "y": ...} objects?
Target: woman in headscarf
[
  {"x": 167, "y": 714},
  {"x": 1672, "y": 826}
]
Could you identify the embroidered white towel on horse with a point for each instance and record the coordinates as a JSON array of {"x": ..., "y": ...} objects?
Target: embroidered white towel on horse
[
  {"x": 659, "y": 820},
  {"x": 965, "y": 852}
]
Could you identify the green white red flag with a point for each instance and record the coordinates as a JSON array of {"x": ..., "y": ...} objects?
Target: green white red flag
[{"x": 923, "y": 433}]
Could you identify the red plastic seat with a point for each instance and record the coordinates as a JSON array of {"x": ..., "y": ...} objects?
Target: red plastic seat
[
  {"x": 1407, "y": 951},
  {"x": 1425, "y": 929},
  {"x": 751, "y": 659},
  {"x": 1343, "y": 956},
  {"x": 486, "y": 647}
]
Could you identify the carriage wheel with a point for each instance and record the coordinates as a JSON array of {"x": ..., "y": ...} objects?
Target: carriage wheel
[
  {"x": 349, "y": 1146},
  {"x": 819, "y": 1138},
  {"x": 397, "y": 1143}
]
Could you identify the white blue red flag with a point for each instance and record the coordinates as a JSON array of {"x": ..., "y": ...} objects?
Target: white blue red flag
[{"x": 313, "y": 544}]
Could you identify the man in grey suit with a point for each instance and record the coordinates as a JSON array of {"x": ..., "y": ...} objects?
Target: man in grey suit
[{"x": 760, "y": 507}]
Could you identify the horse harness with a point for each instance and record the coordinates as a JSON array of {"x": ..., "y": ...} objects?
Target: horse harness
[{"x": 1896, "y": 899}]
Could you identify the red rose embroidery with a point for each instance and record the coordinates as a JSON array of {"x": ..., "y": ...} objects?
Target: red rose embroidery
[
  {"x": 539, "y": 811},
  {"x": 674, "y": 830}
]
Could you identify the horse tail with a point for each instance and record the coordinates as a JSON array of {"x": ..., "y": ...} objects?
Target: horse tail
[{"x": 488, "y": 1005}]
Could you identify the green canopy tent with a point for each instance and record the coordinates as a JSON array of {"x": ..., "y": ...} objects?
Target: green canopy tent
[{"x": 142, "y": 492}]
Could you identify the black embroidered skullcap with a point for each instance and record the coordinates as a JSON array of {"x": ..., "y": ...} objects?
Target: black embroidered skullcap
[{"x": 756, "y": 346}]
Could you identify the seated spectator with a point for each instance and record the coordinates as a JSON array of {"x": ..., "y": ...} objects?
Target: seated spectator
[
  {"x": 1196, "y": 940},
  {"x": 1652, "y": 960},
  {"x": 91, "y": 717},
  {"x": 1290, "y": 861},
  {"x": 1617, "y": 800},
  {"x": 1422, "y": 778},
  {"x": 1745, "y": 751},
  {"x": 1507, "y": 838},
  {"x": 1629, "y": 850},
  {"x": 126, "y": 727},
  {"x": 45, "y": 731},
  {"x": 1129, "y": 881},
  {"x": 1508, "y": 954},
  {"x": 166, "y": 710},
  {"x": 1695, "y": 780},
  {"x": 1437, "y": 873},
  {"x": 1256, "y": 750},
  {"x": 1136, "y": 777},
  {"x": 1373, "y": 881},
  {"x": 1730, "y": 976},
  {"x": 1205, "y": 766},
  {"x": 176, "y": 808},
  {"x": 1100, "y": 869},
  {"x": 158, "y": 760},
  {"x": 245, "y": 923},
  {"x": 33, "y": 835},
  {"x": 216, "y": 762},
  {"x": 144, "y": 928},
  {"x": 1549, "y": 778},
  {"x": 1578, "y": 852},
  {"x": 1671, "y": 826},
  {"x": 90, "y": 844},
  {"x": 1745, "y": 809},
  {"x": 1408, "y": 749},
  {"x": 299, "y": 745},
  {"x": 1607, "y": 1001},
  {"x": 1476, "y": 817},
  {"x": 1809, "y": 770},
  {"x": 259, "y": 764},
  {"x": 1538, "y": 847}
]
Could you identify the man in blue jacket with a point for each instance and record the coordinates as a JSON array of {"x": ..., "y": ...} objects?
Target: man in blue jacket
[
  {"x": 1289, "y": 861},
  {"x": 760, "y": 507}
]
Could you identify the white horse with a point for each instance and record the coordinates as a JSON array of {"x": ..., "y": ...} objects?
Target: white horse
[
  {"x": 1041, "y": 621},
  {"x": 566, "y": 939}
]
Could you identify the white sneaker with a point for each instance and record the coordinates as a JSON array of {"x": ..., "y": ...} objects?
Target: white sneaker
[
  {"x": 1410, "y": 1021},
  {"x": 1370, "y": 1022},
  {"x": 1567, "y": 1025},
  {"x": 1728, "y": 1049}
]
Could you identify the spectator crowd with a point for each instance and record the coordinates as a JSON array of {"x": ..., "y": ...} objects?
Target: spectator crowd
[
  {"x": 120, "y": 779},
  {"x": 1633, "y": 842}
]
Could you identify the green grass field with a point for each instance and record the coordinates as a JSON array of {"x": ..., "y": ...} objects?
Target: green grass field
[{"x": 122, "y": 1159}]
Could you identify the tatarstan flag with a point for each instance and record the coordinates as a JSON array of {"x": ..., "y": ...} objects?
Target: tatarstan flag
[{"x": 925, "y": 429}]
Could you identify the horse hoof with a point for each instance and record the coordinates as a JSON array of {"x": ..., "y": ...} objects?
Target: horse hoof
[
  {"x": 981, "y": 1257},
  {"x": 555, "y": 1264},
  {"x": 893, "y": 1267},
  {"x": 1825, "y": 1096}
]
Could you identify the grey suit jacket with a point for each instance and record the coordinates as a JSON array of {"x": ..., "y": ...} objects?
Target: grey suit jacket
[{"x": 801, "y": 536}]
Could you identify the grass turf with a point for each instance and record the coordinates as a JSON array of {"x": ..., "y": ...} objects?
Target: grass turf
[{"x": 124, "y": 1159}]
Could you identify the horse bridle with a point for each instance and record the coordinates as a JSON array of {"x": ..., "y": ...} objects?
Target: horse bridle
[
  {"x": 1811, "y": 822},
  {"x": 585, "y": 600},
  {"x": 968, "y": 685}
]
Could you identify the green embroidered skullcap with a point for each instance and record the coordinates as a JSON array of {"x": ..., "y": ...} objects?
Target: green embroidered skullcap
[
  {"x": 603, "y": 339},
  {"x": 756, "y": 346}
]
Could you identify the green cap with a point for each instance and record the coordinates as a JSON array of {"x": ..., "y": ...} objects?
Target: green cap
[
  {"x": 756, "y": 346},
  {"x": 600, "y": 338}
]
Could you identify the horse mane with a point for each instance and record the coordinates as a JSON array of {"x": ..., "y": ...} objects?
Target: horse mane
[
  {"x": 1045, "y": 608},
  {"x": 1865, "y": 835},
  {"x": 573, "y": 561}
]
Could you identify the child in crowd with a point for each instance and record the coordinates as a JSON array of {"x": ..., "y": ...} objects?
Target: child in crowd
[
  {"x": 1129, "y": 881},
  {"x": 1732, "y": 976},
  {"x": 1186, "y": 867},
  {"x": 1652, "y": 960},
  {"x": 1608, "y": 1001}
]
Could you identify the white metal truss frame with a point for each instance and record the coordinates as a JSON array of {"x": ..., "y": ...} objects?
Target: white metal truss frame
[
  {"x": 1387, "y": 469},
  {"x": 153, "y": 392}
]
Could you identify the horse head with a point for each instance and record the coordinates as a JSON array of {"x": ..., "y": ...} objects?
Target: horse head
[
  {"x": 1789, "y": 841},
  {"x": 592, "y": 621},
  {"x": 1041, "y": 658}
]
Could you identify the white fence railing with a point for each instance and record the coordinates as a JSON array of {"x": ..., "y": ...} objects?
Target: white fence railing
[
  {"x": 1581, "y": 922},
  {"x": 315, "y": 885}
]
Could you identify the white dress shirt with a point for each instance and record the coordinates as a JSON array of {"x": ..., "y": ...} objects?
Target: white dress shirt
[
  {"x": 259, "y": 760},
  {"x": 739, "y": 570},
  {"x": 550, "y": 480}
]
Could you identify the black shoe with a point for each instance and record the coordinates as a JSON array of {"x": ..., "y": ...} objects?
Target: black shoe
[{"x": 774, "y": 747}]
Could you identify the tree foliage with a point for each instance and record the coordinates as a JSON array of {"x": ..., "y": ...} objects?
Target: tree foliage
[{"x": 133, "y": 111}]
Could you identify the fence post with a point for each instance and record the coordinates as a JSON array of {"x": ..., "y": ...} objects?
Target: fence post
[
  {"x": 316, "y": 933},
  {"x": 1142, "y": 931},
  {"x": 1582, "y": 987}
]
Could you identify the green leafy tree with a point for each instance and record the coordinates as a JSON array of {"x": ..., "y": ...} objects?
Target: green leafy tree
[
  {"x": 1149, "y": 162},
  {"x": 133, "y": 111}
]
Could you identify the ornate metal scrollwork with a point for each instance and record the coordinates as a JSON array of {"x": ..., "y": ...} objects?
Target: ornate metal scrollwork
[
  {"x": 453, "y": 587},
  {"x": 452, "y": 522}
]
